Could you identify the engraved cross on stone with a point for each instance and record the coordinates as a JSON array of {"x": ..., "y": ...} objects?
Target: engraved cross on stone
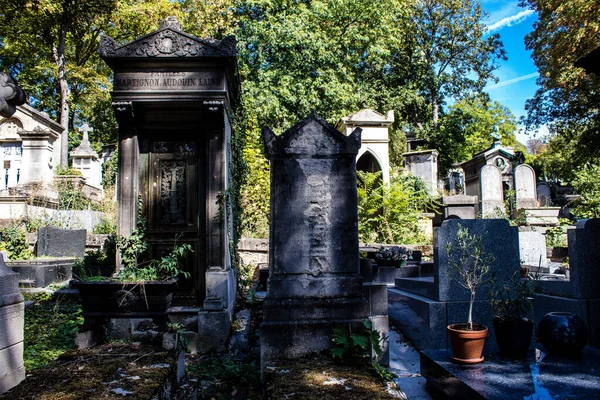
[{"x": 85, "y": 128}]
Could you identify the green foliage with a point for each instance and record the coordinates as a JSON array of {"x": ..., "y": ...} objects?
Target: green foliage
[
  {"x": 62, "y": 171},
  {"x": 468, "y": 263},
  {"x": 567, "y": 98},
  {"x": 70, "y": 197},
  {"x": 50, "y": 328},
  {"x": 167, "y": 267},
  {"x": 109, "y": 170},
  {"x": 512, "y": 298},
  {"x": 587, "y": 184},
  {"x": 14, "y": 241},
  {"x": 105, "y": 227},
  {"x": 356, "y": 344},
  {"x": 390, "y": 214},
  {"x": 556, "y": 237},
  {"x": 466, "y": 129}
]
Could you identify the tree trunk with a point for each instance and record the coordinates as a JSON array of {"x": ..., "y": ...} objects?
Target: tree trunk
[
  {"x": 435, "y": 111},
  {"x": 59, "y": 59}
]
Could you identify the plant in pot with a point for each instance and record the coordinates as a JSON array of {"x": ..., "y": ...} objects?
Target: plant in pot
[
  {"x": 137, "y": 289},
  {"x": 468, "y": 264},
  {"x": 512, "y": 304}
]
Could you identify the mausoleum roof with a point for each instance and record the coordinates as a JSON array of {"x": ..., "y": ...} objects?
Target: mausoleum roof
[{"x": 366, "y": 117}]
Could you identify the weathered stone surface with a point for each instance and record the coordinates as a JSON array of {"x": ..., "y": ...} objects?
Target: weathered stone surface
[
  {"x": 532, "y": 248},
  {"x": 213, "y": 331},
  {"x": 12, "y": 317},
  {"x": 314, "y": 282},
  {"x": 459, "y": 206},
  {"x": 56, "y": 242},
  {"x": 525, "y": 187},
  {"x": 42, "y": 272},
  {"x": 491, "y": 197},
  {"x": 584, "y": 253},
  {"x": 11, "y": 95},
  {"x": 544, "y": 194}
]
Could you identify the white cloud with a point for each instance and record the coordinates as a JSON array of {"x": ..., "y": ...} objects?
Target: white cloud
[
  {"x": 510, "y": 21},
  {"x": 514, "y": 80}
]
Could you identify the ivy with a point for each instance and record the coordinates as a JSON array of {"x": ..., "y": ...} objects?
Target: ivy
[{"x": 14, "y": 242}]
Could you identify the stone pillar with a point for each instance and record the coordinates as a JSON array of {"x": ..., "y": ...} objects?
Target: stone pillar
[
  {"x": 128, "y": 172},
  {"x": 38, "y": 148},
  {"x": 314, "y": 282},
  {"x": 12, "y": 314}
]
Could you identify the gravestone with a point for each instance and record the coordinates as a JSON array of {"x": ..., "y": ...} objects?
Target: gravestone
[
  {"x": 491, "y": 197},
  {"x": 544, "y": 194},
  {"x": 314, "y": 284},
  {"x": 532, "y": 248},
  {"x": 56, "y": 242},
  {"x": 12, "y": 316},
  {"x": 525, "y": 187}
]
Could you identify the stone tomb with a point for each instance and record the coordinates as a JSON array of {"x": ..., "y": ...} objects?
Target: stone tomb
[
  {"x": 173, "y": 97},
  {"x": 314, "y": 282},
  {"x": 12, "y": 314}
]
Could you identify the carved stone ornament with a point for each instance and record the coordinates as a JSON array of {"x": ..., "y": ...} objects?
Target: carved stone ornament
[
  {"x": 11, "y": 95},
  {"x": 168, "y": 41},
  {"x": 123, "y": 111}
]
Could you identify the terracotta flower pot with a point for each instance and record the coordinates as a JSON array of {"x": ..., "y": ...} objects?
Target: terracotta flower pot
[{"x": 467, "y": 345}]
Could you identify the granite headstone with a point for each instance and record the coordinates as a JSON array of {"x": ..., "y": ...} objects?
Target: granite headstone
[
  {"x": 492, "y": 198},
  {"x": 57, "y": 242},
  {"x": 314, "y": 284}
]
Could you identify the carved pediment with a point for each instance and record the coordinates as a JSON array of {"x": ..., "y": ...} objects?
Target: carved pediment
[
  {"x": 168, "y": 41},
  {"x": 311, "y": 136}
]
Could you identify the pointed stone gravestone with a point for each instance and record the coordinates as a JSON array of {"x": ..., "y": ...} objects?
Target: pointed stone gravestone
[
  {"x": 492, "y": 198},
  {"x": 314, "y": 282}
]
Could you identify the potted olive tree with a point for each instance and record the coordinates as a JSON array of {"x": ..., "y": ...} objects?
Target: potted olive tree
[
  {"x": 469, "y": 265},
  {"x": 512, "y": 304}
]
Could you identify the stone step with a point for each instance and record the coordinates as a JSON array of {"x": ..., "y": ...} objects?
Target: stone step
[
  {"x": 426, "y": 269},
  {"x": 422, "y": 286},
  {"x": 389, "y": 274},
  {"x": 422, "y": 320}
]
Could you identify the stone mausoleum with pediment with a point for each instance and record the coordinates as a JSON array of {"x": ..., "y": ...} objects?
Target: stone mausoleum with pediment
[{"x": 172, "y": 97}]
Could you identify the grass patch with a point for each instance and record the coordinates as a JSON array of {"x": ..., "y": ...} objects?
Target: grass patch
[{"x": 50, "y": 327}]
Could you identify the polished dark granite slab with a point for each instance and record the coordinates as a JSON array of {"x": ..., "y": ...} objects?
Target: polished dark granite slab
[{"x": 539, "y": 377}]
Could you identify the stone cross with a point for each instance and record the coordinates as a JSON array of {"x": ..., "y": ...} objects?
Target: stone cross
[{"x": 85, "y": 128}]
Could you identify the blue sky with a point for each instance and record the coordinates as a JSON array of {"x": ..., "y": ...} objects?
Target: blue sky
[{"x": 518, "y": 74}]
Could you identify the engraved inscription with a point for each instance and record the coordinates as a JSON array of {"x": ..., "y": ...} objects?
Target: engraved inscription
[
  {"x": 168, "y": 80},
  {"x": 172, "y": 192}
]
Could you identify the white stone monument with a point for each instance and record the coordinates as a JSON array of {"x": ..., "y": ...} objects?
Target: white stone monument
[
  {"x": 525, "y": 188},
  {"x": 29, "y": 148},
  {"x": 86, "y": 160},
  {"x": 12, "y": 314},
  {"x": 374, "y": 153},
  {"x": 491, "y": 196}
]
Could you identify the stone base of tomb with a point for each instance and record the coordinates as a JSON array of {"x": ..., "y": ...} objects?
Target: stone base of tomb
[{"x": 293, "y": 328}]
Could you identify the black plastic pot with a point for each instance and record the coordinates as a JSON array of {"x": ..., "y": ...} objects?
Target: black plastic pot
[{"x": 513, "y": 336}]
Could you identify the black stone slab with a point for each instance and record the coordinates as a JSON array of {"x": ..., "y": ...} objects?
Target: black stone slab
[
  {"x": 540, "y": 376},
  {"x": 56, "y": 242}
]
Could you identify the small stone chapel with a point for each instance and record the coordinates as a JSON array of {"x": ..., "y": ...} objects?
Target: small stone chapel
[{"x": 172, "y": 97}]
